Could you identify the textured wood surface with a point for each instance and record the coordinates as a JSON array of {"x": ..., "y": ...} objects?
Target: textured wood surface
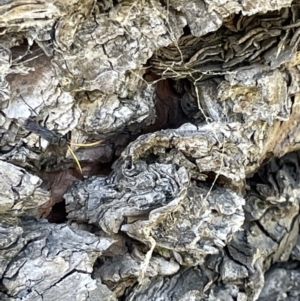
[{"x": 193, "y": 192}]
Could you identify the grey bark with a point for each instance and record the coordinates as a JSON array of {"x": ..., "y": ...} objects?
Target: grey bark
[{"x": 196, "y": 109}]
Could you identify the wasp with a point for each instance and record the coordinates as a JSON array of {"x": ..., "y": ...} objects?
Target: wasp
[{"x": 52, "y": 137}]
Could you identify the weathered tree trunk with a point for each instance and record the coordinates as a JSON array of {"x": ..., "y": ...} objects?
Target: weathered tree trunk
[{"x": 192, "y": 192}]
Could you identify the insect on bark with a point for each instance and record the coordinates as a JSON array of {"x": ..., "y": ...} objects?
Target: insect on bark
[
  {"x": 52, "y": 137},
  {"x": 32, "y": 126}
]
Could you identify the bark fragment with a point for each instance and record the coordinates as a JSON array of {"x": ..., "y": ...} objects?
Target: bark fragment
[{"x": 203, "y": 204}]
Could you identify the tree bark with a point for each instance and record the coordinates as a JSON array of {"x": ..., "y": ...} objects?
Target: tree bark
[{"x": 187, "y": 185}]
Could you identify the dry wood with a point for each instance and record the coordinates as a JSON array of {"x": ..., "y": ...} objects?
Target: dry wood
[{"x": 193, "y": 193}]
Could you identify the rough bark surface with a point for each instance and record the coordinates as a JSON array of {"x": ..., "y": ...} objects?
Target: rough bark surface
[{"x": 193, "y": 190}]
